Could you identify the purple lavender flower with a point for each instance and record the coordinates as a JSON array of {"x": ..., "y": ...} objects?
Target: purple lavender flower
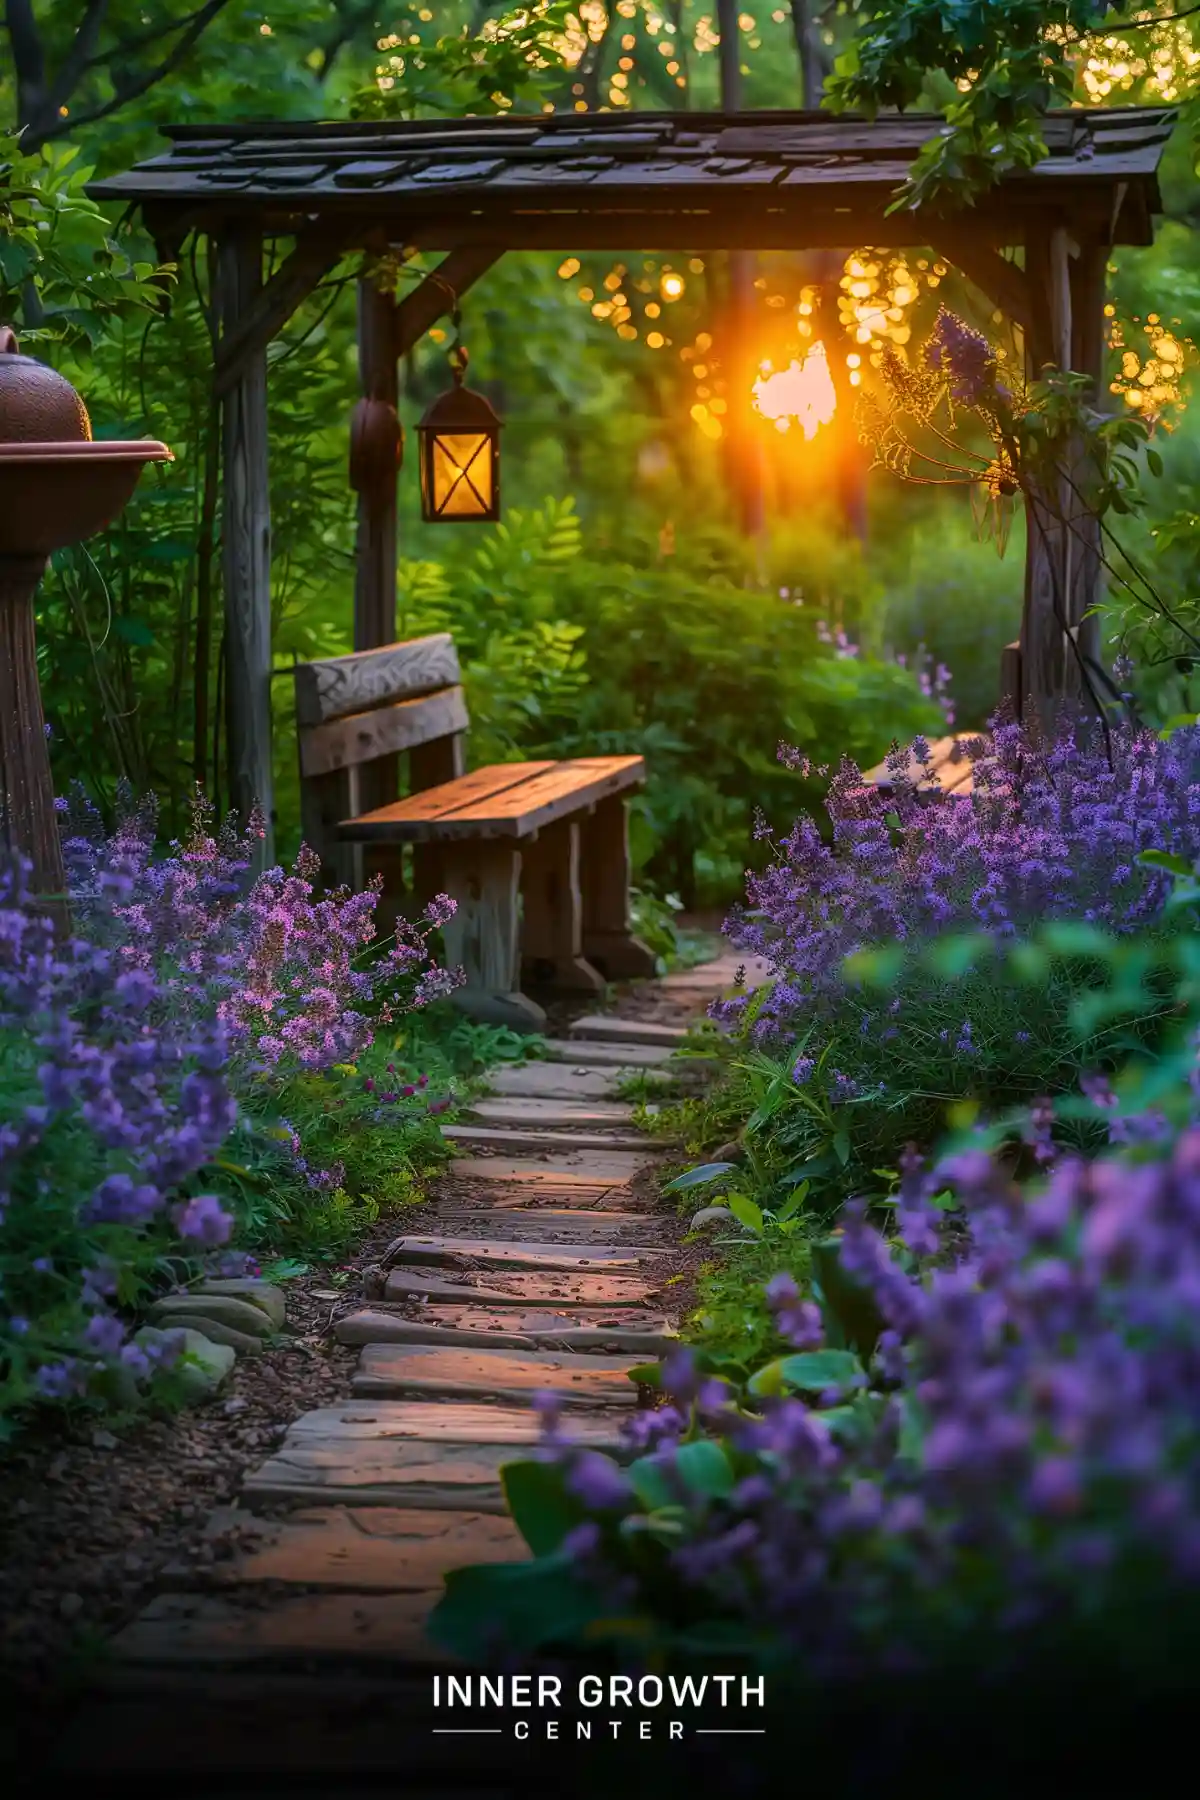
[{"x": 204, "y": 1219}]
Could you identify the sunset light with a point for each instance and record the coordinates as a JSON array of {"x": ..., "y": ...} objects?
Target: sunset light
[{"x": 803, "y": 393}]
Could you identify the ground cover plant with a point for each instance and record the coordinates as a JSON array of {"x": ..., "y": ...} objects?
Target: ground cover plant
[{"x": 212, "y": 1066}]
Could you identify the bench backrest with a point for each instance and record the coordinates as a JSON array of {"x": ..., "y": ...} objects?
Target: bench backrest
[{"x": 355, "y": 715}]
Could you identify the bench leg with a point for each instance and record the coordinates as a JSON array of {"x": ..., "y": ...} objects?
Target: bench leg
[
  {"x": 386, "y": 860},
  {"x": 552, "y": 938},
  {"x": 608, "y": 939},
  {"x": 484, "y": 878}
]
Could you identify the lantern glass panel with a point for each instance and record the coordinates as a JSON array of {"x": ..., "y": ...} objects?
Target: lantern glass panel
[{"x": 462, "y": 474}]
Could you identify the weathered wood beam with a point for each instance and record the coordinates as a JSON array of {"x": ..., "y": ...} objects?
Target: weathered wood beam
[
  {"x": 1049, "y": 668},
  {"x": 375, "y": 454},
  {"x": 438, "y": 293},
  {"x": 273, "y": 305},
  {"x": 246, "y": 543},
  {"x": 339, "y": 685},
  {"x": 1089, "y": 342},
  {"x": 1002, "y": 282}
]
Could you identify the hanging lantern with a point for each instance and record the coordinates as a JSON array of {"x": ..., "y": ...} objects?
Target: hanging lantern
[{"x": 460, "y": 454}]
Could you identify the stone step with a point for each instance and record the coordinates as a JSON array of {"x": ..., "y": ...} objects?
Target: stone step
[
  {"x": 602, "y": 1164},
  {"x": 551, "y": 1115},
  {"x": 562, "y": 1081},
  {"x": 583, "y": 1054},
  {"x": 488, "y": 1376},
  {"x": 719, "y": 976},
  {"x": 214, "y": 1630},
  {"x": 606, "y": 1028},
  {"x": 372, "y": 1549},
  {"x": 535, "y": 1137},
  {"x": 588, "y": 1330},
  {"x": 511, "y": 1197},
  {"x": 550, "y": 1225},
  {"x": 504, "y": 1287},
  {"x": 431, "y": 1455},
  {"x": 533, "y": 1177},
  {"x": 523, "y": 1256}
]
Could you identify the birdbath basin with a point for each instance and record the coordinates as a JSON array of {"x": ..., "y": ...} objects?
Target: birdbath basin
[{"x": 57, "y": 487}]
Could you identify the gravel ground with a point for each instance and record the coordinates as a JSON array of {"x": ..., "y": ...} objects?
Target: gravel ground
[{"x": 90, "y": 1516}]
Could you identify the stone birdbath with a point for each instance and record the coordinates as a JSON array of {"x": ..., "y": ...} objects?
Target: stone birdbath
[{"x": 57, "y": 486}]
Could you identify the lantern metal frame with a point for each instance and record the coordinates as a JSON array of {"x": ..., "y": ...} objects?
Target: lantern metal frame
[{"x": 460, "y": 413}]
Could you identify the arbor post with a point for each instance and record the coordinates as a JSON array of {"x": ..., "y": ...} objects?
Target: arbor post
[
  {"x": 246, "y": 545},
  {"x": 1046, "y": 657},
  {"x": 374, "y": 465}
]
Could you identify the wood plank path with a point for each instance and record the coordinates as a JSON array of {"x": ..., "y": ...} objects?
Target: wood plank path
[{"x": 539, "y": 1264}]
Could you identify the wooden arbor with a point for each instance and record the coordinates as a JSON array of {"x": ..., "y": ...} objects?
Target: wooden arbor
[{"x": 474, "y": 188}]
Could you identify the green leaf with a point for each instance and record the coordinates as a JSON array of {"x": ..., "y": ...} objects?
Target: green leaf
[
  {"x": 841, "y": 1145},
  {"x": 134, "y": 631},
  {"x": 650, "y": 1482},
  {"x": 1166, "y": 859},
  {"x": 525, "y": 1604},
  {"x": 705, "y": 1468},
  {"x": 697, "y": 1177},
  {"x": 875, "y": 968},
  {"x": 646, "y": 1375},
  {"x": 1154, "y": 462},
  {"x": 813, "y": 1370},
  {"x": 850, "y": 1313},
  {"x": 957, "y": 956},
  {"x": 767, "y": 1383},
  {"x": 792, "y": 1204},
  {"x": 746, "y": 1213},
  {"x": 542, "y": 1510},
  {"x": 1070, "y": 937}
]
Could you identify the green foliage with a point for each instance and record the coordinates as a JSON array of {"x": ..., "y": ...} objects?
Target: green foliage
[
  {"x": 513, "y": 61},
  {"x": 64, "y": 278},
  {"x": 1014, "y": 58}
]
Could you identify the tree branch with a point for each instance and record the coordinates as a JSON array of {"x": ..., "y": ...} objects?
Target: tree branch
[
  {"x": 29, "y": 58},
  {"x": 77, "y": 58},
  {"x": 198, "y": 24}
]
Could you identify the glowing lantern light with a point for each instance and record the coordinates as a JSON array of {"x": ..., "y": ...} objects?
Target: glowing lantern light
[
  {"x": 460, "y": 454},
  {"x": 671, "y": 286},
  {"x": 803, "y": 392}
]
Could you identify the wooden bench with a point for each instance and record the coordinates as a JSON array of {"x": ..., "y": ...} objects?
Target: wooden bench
[
  {"x": 948, "y": 771},
  {"x": 536, "y": 854}
]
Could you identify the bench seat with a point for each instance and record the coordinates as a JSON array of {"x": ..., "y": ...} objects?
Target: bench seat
[
  {"x": 514, "y": 800},
  {"x": 948, "y": 771}
]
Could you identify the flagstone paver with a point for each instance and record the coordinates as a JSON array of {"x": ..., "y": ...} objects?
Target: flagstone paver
[
  {"x": 539, "y": 1266},
  {"x": 638, "y": 1330},
  {"x": 532, "y": 1137}
]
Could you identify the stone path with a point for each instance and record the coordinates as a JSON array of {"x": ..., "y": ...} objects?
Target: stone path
[{"x": 539, "y": 1264}]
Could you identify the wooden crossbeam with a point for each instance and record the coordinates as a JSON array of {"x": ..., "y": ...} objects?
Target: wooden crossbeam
[
  {"x": 1001, "y": 281},
  {"x": 438, "y": 293},
  {"x": 274, "y": 305}
]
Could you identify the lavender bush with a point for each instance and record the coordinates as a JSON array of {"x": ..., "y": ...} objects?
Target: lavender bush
[
  {"x": 1049, "y": 832},
  {"x": 837, "y": 1076},
  {"x": 1011, "y": 1464},
  {"x": 145, "y": 1063}
]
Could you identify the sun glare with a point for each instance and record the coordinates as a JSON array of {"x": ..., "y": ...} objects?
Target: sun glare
[{"x": 802, "y": 394}]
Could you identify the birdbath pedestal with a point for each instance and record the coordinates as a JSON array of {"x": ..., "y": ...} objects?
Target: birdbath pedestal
[{"x": 57, "y": 487}]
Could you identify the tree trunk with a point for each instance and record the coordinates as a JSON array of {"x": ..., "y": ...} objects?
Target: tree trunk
[{"x": 812, "y": 63}]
